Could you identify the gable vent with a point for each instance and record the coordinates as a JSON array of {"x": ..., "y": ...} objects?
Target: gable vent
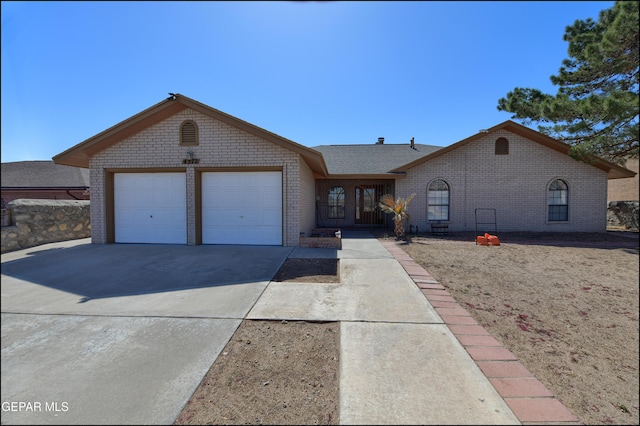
[
  {"x": 188, "y": 133},
  {"x": 502, "y": 146}
]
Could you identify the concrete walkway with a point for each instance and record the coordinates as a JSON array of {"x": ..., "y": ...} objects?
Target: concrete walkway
[
  {"x": 530, "y": 401},
  {"x": 399, "y": 363},
  {"x": 409, "y": 353}
]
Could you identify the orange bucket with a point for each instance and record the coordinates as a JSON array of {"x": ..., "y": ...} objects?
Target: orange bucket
[{"x": 493, "y": 240}]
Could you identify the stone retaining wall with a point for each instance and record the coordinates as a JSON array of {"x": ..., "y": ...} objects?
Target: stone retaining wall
[
  {"x": 35, "y": 222},
  {"x": 623, "y": 214}
]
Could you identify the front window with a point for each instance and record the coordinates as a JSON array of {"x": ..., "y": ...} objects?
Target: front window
[
  {"x": 336, "y": 203},
  {"x": 438, "y": 200},
  {"x": 558, "y": 201}
]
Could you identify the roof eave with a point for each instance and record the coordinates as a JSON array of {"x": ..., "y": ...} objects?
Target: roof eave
[
  {"x": 618, "y": 172},
  {"x": 613, "y": 170},
  {"x": 367, "y": 176},
  {"x": 80, "y": 154}
]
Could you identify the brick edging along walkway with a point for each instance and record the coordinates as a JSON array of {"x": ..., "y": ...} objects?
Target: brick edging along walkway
[{"x": 528, "y": 398}]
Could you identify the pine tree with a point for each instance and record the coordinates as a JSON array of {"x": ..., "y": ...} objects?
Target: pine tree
[{"x": 596, "y": 107}]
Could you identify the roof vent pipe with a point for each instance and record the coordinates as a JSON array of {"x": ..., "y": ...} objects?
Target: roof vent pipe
[
  {"x": 380, "y": 141},
  {"x": 413, "y": 145}
]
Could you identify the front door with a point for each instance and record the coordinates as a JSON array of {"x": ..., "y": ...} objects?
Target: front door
[{"x": 367, "y": 210}]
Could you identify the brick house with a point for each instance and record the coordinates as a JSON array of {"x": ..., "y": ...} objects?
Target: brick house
[
  {"x": 625, "y": 189},
  {"x": 182, "y": 172},
  {"x": 43, "y": 180}
]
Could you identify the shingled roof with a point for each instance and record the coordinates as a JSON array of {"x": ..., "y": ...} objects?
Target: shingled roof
[
  {"x": 43, "y": 174},
  {"x": 371, "y": 159}
]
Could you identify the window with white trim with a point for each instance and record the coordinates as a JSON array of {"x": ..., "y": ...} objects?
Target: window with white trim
[
  {"x": 558, "y": 201},
  {"x": 438, "y": 200}
]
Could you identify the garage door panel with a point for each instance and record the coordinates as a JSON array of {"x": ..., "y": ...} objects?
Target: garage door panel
[
  {"x": 225, "y": 220},
  {"x": 271, "y": 216},
  {"x": 132, "y": 217},
  {"x": 223, "y": 234},
  {"x": 251, "y": 236},
  {"x": 222, "y": 197},
  {"x": 219, "y": 214},
  {"x": 150, "y": 208},
  {"x": 273, "y": 179},
  {"x": 125, "y": 234},
  {"x": 209, "y": 215},
  {"x": 138, "y": 234},
  {"x": 242, "y": 208},
  {"x": 268, "y": 233},
  {"x": 168, "y": 216},
  {"x": 252, "y": 199},
  {"x": 133, "y": 197},
  {"x": 161, "y": 197},
  {"x": 253, "y": 219},
  {"x": 271, "y": 203}
]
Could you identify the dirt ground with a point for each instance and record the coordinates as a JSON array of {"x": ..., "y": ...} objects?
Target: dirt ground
[
  {"x": 309, "y": 271},
  {"x": 275, "y": 372},
  {"x": 271, "y": 372},
  {"x": 565, "y": 305}
]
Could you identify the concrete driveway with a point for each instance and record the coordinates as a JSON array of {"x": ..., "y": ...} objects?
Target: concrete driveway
[{"x": 120, "y": 334}]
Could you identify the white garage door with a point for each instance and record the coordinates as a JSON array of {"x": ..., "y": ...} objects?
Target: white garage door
[
  {"x": 242, "y": 208},
  {"x": 150, "y": 208}
]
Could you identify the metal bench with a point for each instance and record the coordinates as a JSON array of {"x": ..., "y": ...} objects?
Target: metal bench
[{"x": 439, "y": 228}]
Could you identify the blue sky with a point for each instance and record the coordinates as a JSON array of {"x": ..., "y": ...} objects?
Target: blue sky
[{"x": 317, "y": 73}]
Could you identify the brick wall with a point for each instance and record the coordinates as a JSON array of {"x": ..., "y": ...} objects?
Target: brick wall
[
  {"x": 515, "y": 185},
  {"x": 307, "y": 209},
  {"x": 35, "y": 222},
  {"x": 625, "y": 189},
  {"x": 220, "y": 146}
]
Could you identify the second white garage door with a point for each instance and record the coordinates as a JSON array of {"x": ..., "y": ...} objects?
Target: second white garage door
[{"x": 242, "y": 208}]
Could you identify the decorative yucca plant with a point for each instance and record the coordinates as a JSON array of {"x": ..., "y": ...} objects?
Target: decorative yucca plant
[{"x": 397, "y": 207}]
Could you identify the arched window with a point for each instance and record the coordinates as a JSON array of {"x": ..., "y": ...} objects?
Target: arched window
[
  {"x": 188, "y": 133},
  {"x": 502, "y": 146},
  {"x": 558, "y": 201},
  {"x": 438, "y": 200},
  {"x": 336, "y": 203}
]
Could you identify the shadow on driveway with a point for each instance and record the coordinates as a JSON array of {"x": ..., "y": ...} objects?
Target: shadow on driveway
[{"x": 97, "y": 271}]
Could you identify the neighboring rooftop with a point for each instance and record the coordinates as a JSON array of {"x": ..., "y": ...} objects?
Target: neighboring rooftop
[
  {"x": 43, "y": 174},
  {"x": 371, "y": 159}
]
